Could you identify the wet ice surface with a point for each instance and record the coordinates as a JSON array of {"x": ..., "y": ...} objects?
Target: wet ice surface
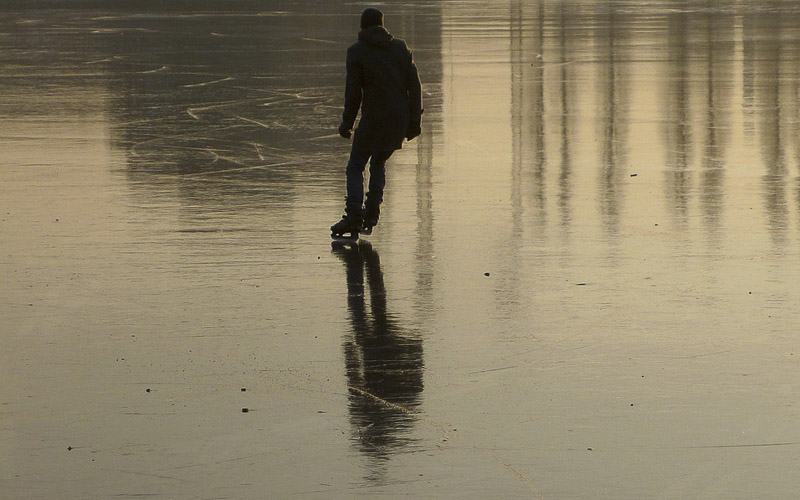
[{"x": 583, "y": 284}]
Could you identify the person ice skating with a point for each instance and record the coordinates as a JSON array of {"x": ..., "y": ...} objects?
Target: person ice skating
[{"x": 382, "y": 80}]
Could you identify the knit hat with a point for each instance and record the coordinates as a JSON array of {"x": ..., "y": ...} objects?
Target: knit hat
[{"x": 371, "y": 17}]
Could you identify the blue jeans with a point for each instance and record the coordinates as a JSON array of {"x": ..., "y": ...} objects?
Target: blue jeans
[{"x": 355, "y": 177}]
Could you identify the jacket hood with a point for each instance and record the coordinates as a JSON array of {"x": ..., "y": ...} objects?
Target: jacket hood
[{"x": 376, "y": 35}]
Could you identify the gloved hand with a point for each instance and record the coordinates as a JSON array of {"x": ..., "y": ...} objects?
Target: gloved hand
[
  {"x": 344, "y": 131},
  {"x": 413, "y": 131}
]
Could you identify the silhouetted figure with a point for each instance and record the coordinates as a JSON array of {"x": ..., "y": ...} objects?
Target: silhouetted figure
[
  {"x": 382, "y": 80},
  {"x": 383, "y": 360}
]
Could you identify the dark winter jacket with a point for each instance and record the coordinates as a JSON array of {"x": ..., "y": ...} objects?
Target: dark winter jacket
[{"x": 382, "y": 80}]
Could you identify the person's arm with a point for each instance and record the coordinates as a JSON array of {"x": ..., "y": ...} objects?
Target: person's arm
[
  {"x": 352, "y": 95},
  {"x": 414, "y": 88}
]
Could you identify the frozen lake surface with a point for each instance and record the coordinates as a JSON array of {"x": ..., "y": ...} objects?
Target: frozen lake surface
[{"x": 584, "y": 283}]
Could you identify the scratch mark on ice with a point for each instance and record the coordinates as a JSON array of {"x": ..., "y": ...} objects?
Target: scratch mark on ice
[
  {"x": 261, "y": 124},
  {"x": 518, "y": 474},
  {"x": 240, "y": 169},
  {"x": 150, "y": 71},
  {"x": 755, "y": 445},
  {"x": 321, "y": 41},
  {"x": 107, "y": 59},
  {"x": 258, "y": 151},
  {"x": 319, "y": 137},
  {"x": 204, "y": 84},
  {"x": 492, "y": 370},
  {"x": 213, "y": 154}
]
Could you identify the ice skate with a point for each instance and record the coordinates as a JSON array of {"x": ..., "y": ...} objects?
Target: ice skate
[
  {"x": 371, "y": 214},
  {"x": 346, "y": 229}
]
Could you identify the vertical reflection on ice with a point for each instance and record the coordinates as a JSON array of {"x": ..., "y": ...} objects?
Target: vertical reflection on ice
[
  {"x": 772, "y": 58},
  {"x": 383, "y": 360},
  {"x": 614, "y": 91},
  {"x": 677, "y": 128}
]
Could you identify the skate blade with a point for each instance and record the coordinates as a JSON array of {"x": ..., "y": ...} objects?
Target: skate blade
[{"x": 340, "y": 238}]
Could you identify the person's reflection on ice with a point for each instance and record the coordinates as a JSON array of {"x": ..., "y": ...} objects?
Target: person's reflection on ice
[{"x": 383, "y": 360}]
